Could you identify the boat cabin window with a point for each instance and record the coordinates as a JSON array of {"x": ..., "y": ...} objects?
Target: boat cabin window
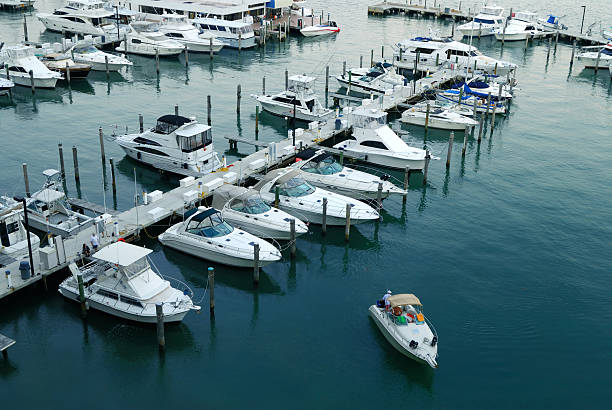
[
  {"x": 87, "y": 50},
  {"x": 366, "y": 121},
  {"x": 529, "y": 28},
  {"x": 209, "y": 224},
  {"x": 195, "y": 142},
  {"x": 152, "y": 151},
  {"x": 146, "y": 141},
  {"x": 310, "y": 105},
  {"x": 606, "y": 51},
  {"x": 285, "y": 100},
  {"x": 326, "y": 166},
  {"x": 484, "y": 21},
  {"x": 174, "y": 35},
  {"x": 136, "y": 268},
  {"x": 96, "y": 21},
  {"x": 18, "y": 69},
  {"x": 107, "y": 294},
  {"x": 136, "y": 41},
  {"x": 422, "y": 50},
  {"x": 253, "y": 205},
  {"x": 130, "y": 301},
  {"x": 374, "y": 144},
  {"x": 294, "y": 188}
]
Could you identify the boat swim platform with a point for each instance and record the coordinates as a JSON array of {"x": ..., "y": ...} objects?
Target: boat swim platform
[{"x": 436, "y": 10}]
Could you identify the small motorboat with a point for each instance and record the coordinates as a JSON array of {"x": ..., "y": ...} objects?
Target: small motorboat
[
  {"x": 320, "y": 29},
  {"x": 482, "y": 89},
  {"x": 61, "y": 63},
  {"x": 467, "y": 101},
  {"x": 84, "y": 52},
  {"x": 522, "y": 26},
  {"x": 145, "y": 38},
  {"x": 404, "y": 325},
  {"x": 21, "y": 61},
  {"x": 121, "y": 282},
  {"x": 5, "y": 86},
  {"x": 484, "y": 24},
  {"x": 552, "y": 22},
  {"x": 322, "y": 170},
  {"x": 17, "y": 4},
  {"x": 205, "y": 234},
  {"x": 589, "y": 55},
  {"x": 299, "y": 198},
  {"x": 439, "y": 118},
  {"x": 244, "y": 208},
  {"x": 376, "y": 80}
]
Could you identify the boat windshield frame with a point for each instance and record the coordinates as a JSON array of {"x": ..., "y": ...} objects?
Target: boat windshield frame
[
  {"x": 326, "y": 166},
  {"x": 212, "y": 226},
  {"x": 253, "y": 205},
  {"x": 294, "y": 188},
  {"x": 135, "y": 269}
]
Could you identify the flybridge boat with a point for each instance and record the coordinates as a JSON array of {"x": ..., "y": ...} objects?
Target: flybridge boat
[
  {"x": 205, "y": 234},
  {"x": 244, "y": 208},
  {"x": 20, "y": 61},
  {"x": 299, "y": 198},
  {"x": 84, "y": 52},
  {"x": 467, "y": 101},
  {"x": 145, "y": 38},
  {"x": 234, "y": 34},
  {"x": 13, "y": 235},
  {"x": 301, "y": 96},
  {"x": 80, "y": 17},
  {"x": 321, "y": 170},
  {"x": 439, "y": 117},
  {"x": 176, "y": 144},
  {"x": 404, "y": 325},
  {"x": 5, "y": 86},
  {"x": 484, "y": 24},
  {"x": 374, "y": 142},
  {"x": 588, "y": 56},
  {"x": 178, "y": 28},
  {"x": 522, "y": 26},
  {"x": 320, "y": 29},
  {"x": 121, "y": 282},
  {"x": 376, "y": 80},
  {"x": 60, "y": 63}
]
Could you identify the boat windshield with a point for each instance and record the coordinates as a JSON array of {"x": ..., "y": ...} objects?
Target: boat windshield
[
  {"x": 211, "y": 226},
  {"x": 136, "y": 268},
  {"x": 327, "y": 166},
  {"x": 87, "y": 50},
  {"x": 483, "y": 21},
  {"x": 253, "y": 205},
  {"x": 295, "y": 187}
]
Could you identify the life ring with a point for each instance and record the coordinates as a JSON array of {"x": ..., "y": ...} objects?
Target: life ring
[{"x": 120, "y": 240}]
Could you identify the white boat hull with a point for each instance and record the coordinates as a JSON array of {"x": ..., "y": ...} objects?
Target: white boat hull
[
  {"x": 591, "y": 62},
  {"x": 387, "y": 161},
  {"x": 24, "y": 80},
  {"x": 435, "y": 123},
  {"x": 201, "y": 46},
  {"x": 283, "y": 111},
  {"x": 53, "y": 23},
  {"x": 319, "y": 32},
  {"x": 162, "y": 163},
  {"x": 522, "y": 36},
  {"x": 149, "y": 50},
  {"x": 97, "y": 66}
]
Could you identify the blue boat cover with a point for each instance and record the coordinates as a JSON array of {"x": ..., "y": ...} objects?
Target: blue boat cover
[
  {"x": 204, "y": 214},
  {"x": 551, "y": 19}
]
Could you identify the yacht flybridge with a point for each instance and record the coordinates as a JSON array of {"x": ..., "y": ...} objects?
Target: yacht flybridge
[
  {"x": 121, "y": 282},
  {"x": 523, "y": 25},
  {"x": 485, "y": 22},
  {"x": 176, "y": 27},
  {"x": 145, "y": 38},
  {"x": 80, "y": 17},
  {"x": 376, "y": 80},
  {"x": 176, "y": 144},
  {"x": 20, "y": 61}
]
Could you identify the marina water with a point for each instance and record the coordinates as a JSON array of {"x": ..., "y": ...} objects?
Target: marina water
[{"x": 509, "y": 250}]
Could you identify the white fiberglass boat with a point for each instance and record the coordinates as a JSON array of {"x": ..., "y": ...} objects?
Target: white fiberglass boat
[
  {"x": 320, "y": 29},
  {"x": 13, "y": 234},
  {"x": 5, "y": 86},
  {"x": 301, "y": 96},
  {"x": 305, "y": 201},
  {"x": 244, "y": 208},
  {"x": 85, "y": 52},
  {"x": 232, "y": 33},
  {"x": 321, "y": 170},
  {"x": 20, "y": 61},
  {"x": 176, "y": 144},
  {"x": 374, "y": 142},
  {"x": 376, "y": 80},
  {"x": 485, "y": 22},
  {"x": 405, "y": 326},
  {"x": 121, "y": 282},
  {"x": 80, "y": 17},
  {"x": 205, "y": 234},
  {"x": 178, "y": 28},
  {"x": 522, "y": 26},
  {"x": 552, "y": 22},
  {"x": 439, "y": 118},
  {"x": 467, "y": 101},
  {"x": 145, "y": 38},
  {"x": 588, "y": 56},
  {"x": 61, "y": 63}
]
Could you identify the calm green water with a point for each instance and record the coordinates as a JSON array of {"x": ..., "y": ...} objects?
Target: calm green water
[{"x": 509, "y": 250}]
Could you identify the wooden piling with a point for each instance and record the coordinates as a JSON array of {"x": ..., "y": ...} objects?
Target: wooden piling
[
  {"x": 450, "y": 148},
  {"x": 112, "y": 167},
  {"x": 210, "y": 45},
  {"x": 32, "y": 81},
  {"x": 211, "y": 290},
  {"x": 372, "y": 58},
  {"x": 256, "y": 264},
  {"x": 186, "y": 56},
  {"x": 480, "y": 125},
  {"x": 159, "y": 313},
  {"x": 488, "y": 102},
  {"x": 326, "y": 80},
  {"x": 286, "y": 79},
  {"x": 208, "y": 109},
  {"x": 106, "y": 66},
  {"x": 573, "y": 51},
  {"x": 427, "y": 117},
  {"x": 176, "y": 110},
  {"x": 82, "y": 296},
  {"x": 426, "y": 169},
  {"x": 493, "y": 116},
  {"x": 556, "y": 42},
  {"x": 263, "y": 85},
  {"x": 347, "y": 228},
  {"x": 361, "y": 61},
  {"x": 102, "y": 153},
  {"x": 406, "y": 183},
  {"x": 324, "y": 217},
  {"x": 256, "y": 120},
  {"x": 157, "y": 61},
  {"x": 60, "y": 149},
  {"x": 67, "y": 72},
  {"x": 343, "y": 68},
  {"x": 141, "y": 123},
  {"x": 75, "y": 161},
  {"x": 382, "y": 52},
  {"x": 379, "y": 195},
  {"x": 292, "y": 236},
  {"x": 597, "y": 61},
  {"x": 26, "y": 179},
  {"x": 276, "y": 196},
  {"x": 465, "y": 141}
]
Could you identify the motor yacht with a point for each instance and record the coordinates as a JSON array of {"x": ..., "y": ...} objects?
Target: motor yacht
[
  {"x": 60, "y": 63},
  {"x": 80, "y": 17},
  {"x": 320, "y": 29},
  {"x": 13, "y": 234},
  {"x": 376, "y": 80},
  {"x": 49, "y": 212},
  {"x": 439, "y": 117},
  {"x": 299, "y": 198},
  {"x": 300, "y": 96},
  {"x": 468, "y": 101},
  {"x": 176, "y": 144},
  {"x": 86, "y": 53},
  {"x": 145, "y": 38},
  {"x": 176, "y": 27},
  {"x": 232, "y": 33},
  {"x": 404, "y": 325},
  {"x": 205, "y": 234},
  {"x": 5, "y": 86},
  {"x": 20, "y": 61},
  {"x": 588, "y": 56},
  {"x": 522, "y": 26},
  {"x": 374, "y": 142},
  {"x": 485, "y": 22},
  {"x": 244, "y": 208},
  {"x": 121, "y": 282},
  {"x": 322, "y": 170}
]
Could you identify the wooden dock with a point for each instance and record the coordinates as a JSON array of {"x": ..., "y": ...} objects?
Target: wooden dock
[
  {"x": 5, "y": 343},
  {"x": 434, "y": 9}
]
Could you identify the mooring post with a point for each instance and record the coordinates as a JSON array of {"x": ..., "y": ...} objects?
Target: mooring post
[
  {"x": 324, "y": 217},
  {"x": 102, "y": 153},
  {"x": 573, "y": 51},
  {"x": 426, "y": 169},
  {"x": 292, "y": 236},
  {"x": 186, "y": 56},
  {"x": 141, "y": 123},
  {"x": 406, "y": 183},
  {"x": 26, "y": 180},
  {"x": 556, "y": 42},
  {"x": 211, "y": 290},
  {"x": 427, "y": 117},
  {"x": 106, "y": 66},
  {"x": 256, "y": 120},
  {"x": 256, "y": 264},
  {"x": 240, "y": 41},
  {"x": 208, "y": 109},
  {"x": 347, "y": 228},
  {"x": 465, "y": 141},
  {"x": 493, "y": 116},
  {"x": 32, "y": 81},
  {"x": 159, "y": 312},
  {"x": 67, "y": 72},
  {"x": 341, "y": 158},
  {"x": 479, "y": 30},
  {"x": 286, "y": 79},
  {"x": 379, "y": 195},
  {"x": 372, "y": 58},
  {"x": 157, "y": 61},
  {"x": 263, "y": 85},
  {"x": 343, "y": 68},
  {"x": 450, "y": 148},
  {"x": 75, "y": 161},
  {"x": 488, "y": 102},
  {"x": 597, "y": 61},
  {"x": 210, "y": 46},
  {"x": 82, "y": 296},
  {"x": 60, "y": 148},
  {"x": 112, "y": 167},
  {"x": 176, "y": 110},
  {"x": 361, "y": 61},
  {"x": 326, "y": 80},
  {"x": 276, "y": 196},
  {"x": 480, "y": 125},
  {"x": 238, "y": 96},
  {"x": 382, "y": 52}
]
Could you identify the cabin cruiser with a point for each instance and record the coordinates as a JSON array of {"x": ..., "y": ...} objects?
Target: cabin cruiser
[
  {"x": 121, "y": 282},
  {"x": 438, "y": 117},
  {"x": 20, "y": 61},
  {"x": 402, "y": 322},
  {"x": 60, "y": 63},
  {"x": 468, "y": 101},
  {"x": 588, "y": 56},
  {"x": 434, "y": 53},
  {"x": 485, "y": 22},
  {"x": 232, "y": 33},
  {"x": 145, "y": 38},
  {"x": 374, "y": 142},
  {"x": 205, "y": 234},
  {"x": 5, "y": 86},
  {"x": 80, "y": 17},
  {"x": 13, "y": 234},
  {"x": 298, "y": 197},
  {"x": 299, "y": 95},
  {"x": 376, "y": 80},
  {"x": 176, "y": 27},
  {"x": 48, "y": 210},
  {"x": 522, "y": 26},
  {"x": 244, "y": 208},
  {"x": 176, "y": 144},
  {"x": 552, "y": 22},
  {"x": 320, "y": 29},
  {"x": 322, "y": 170},
  {"x": 84, "y": 52}
]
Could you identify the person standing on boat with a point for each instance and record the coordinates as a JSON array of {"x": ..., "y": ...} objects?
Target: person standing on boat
[
  {"x": 386, "y": 299},
  {"x": 94, "y": 242}
]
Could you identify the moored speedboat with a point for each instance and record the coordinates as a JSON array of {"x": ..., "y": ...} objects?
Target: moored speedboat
[
  {"x": 320, "y": 29},
  {"x": 21, "y": 61},
  {"x": 145, "y": 38},
  {"x": 5, "y": 86},
  {"x": 84, "y": 52},
  {"x": 232, "y": 33},
  {"x": 552, "y": 22},
  {"x": 485, "y": 22},
  {"x": 589, "y": 55},
  {"x": 522, "y": 26},
  {"x": 467, "y": 101},
  {"x": 439, "y": 117},
  {"x": 61, "y": 63},
  {"x": 376, "y": 80}
]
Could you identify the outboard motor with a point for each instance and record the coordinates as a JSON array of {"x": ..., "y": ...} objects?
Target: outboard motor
[
  {"x": 434, "y": 341},
  {"x": 413, "y": 344}
]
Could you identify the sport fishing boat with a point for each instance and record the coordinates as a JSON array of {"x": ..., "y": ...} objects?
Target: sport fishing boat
[
  {"x": 299, "y": 95},
  {"x": 5, "y": 86},
  {"x": 13, "y": 234},
  {"x": 467, "y": 101},
  {"x": 588, "y": 56},
  {"x": 80, "y": 17},
  {"x": 522, "y": 26},
  {"x": 176, "y": 144},
  {"x": 144, "y": 38},
  {"x": 320, "y": 29},
  {"x": 405, "y": 326},
  {"x": 376, "y": 80},
  {"x": 439, "y": 117},
  {"x": 60, "y": 63},
  {"x": 374, "y": 142},
  {"x": 244, "y": 208},
  {"x": 84, "y": 52},
  {"x": 485, "y": 22},
  {"x": 299, "y": 198},
  {"x": 322, "y": 170},
  {"x": 232, "y": 33},
  {"x": 121, "y": 282},
  {"x": 20, "y": 61},
  {"x": 205, "y": 234},
  {"x": 178, "y": 28}
]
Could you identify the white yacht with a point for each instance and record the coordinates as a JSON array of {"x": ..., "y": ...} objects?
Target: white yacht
[
  {"x": 467, "y": 101},
  {"x": 80, "y": 17},
  {"x": 522, "y": 26},
  {"x": 588, "y": 56},
  {"x": 376, "y": 80},
  {"x": 322, "y": 170},
  {"x": 21, "y": 60},
  {"x": 405, "y": 326},
  {"x": 374, "y": 142},
  {"x": 178, "y": 28},
  {"x": 176, "y": 144},
  {"x": 85, "y": 52},
  {"x": 485, "y": 22},
  {"x": 320, "y": 29},
  {"x": 48, "y": 210},
  {"x": 5, "y": 86},
  {"x": 439, "y": 118},
  {"x": 145, "y": 38},
  {"x": 299, "y": 95},
  {"x": 299, "y": 198},
  {"x": 13, "y": 234},
  {"x": 205, "y": 234},
  {"x": 121, "y": 282},
  {"x": 233, "y": 33}
]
